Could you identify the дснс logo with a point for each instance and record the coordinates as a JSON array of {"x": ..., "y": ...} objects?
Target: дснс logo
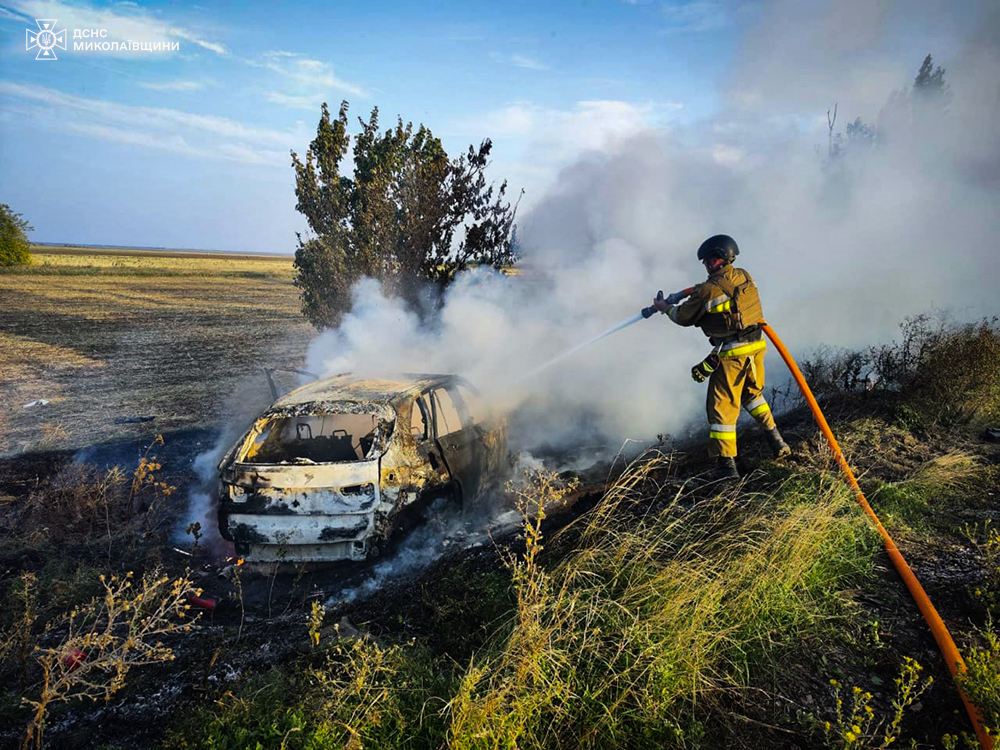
[{"x": 46, "y": 39}]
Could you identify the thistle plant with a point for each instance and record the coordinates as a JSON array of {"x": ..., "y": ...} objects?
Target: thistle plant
[{"x": 105, "y": 638}]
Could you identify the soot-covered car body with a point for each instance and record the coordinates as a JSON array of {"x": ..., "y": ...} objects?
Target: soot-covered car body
[{"x": 331, "y": 469}]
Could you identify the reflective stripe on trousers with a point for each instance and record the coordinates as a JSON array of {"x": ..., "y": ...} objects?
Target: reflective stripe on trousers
[
  {"x": 722, "y": 432},
  {"x": 757, "y": 407}
]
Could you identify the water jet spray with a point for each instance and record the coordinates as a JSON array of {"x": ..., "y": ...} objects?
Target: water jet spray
[{"x": 643, "y": 314}]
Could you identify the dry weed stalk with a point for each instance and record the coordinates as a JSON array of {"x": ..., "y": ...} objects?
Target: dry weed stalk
[
  {"x": 17, "y": 641},
  {"x": 105, "y": 638},
  {"x": 314, "y": 623}
]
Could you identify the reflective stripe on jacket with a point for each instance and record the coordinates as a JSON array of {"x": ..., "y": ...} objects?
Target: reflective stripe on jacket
[{"x": 708, "y": 304}]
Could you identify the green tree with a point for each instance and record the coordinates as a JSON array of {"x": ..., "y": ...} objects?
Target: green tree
[
  {"x": 408, "y": 215},
  {"x": 929, "y": 82},
  {"x": 14, "y": 245},
  {"x": 860, "y": 133},
  {"x": 905, "y": 110}
]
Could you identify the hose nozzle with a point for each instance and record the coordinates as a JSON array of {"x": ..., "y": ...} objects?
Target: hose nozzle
[{"x": 647, "y": 312}]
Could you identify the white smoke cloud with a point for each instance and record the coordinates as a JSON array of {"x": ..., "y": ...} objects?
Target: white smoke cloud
[{"x": 841, "y": 252}]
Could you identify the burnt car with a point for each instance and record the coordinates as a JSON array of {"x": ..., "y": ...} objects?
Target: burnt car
[{"x": 332, "y": 469}]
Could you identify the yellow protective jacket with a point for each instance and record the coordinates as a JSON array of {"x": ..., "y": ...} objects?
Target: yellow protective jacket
[{"x": 710, "y": 308}]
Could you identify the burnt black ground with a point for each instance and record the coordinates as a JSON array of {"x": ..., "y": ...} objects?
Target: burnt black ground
[
  {"x": 22, "y": 473},
  {"x": 238, "y": 640}
]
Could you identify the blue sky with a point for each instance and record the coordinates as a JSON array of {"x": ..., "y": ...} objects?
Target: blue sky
[{"x": 190, "y": 148}]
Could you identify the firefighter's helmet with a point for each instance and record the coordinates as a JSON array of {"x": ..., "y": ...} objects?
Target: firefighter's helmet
[{"x": 719, "y": 246}]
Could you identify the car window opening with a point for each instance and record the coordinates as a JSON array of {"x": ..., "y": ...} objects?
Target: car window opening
[
  {"x": 448, "y": 420},
  {"x": 314, "y": 438},
  {"x": 474, "y": 404}
]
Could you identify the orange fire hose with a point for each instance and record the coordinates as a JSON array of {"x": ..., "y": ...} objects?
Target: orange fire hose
[{"x": 944, "y": 640}]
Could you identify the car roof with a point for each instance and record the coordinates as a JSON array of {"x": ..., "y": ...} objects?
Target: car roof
[{"x": 352, "y": 388}]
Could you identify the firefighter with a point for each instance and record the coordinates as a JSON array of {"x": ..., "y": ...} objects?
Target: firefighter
[{"x": 727, "y": 309}]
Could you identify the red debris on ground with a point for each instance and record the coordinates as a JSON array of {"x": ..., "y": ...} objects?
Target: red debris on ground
[
  {"x": 74, "y": 659},
  {"x": 205, "y": 603}
]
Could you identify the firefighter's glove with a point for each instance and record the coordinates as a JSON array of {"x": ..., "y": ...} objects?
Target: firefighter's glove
[
  {"x": 659, "y": 303},
  {"x": 675, "y": 298},
  {"x": 704, "y": 369}
]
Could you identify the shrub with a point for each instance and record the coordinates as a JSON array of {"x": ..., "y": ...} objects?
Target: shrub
[
  {"x": 356, "y": 694},
  {"x": 986, "y": 539},
  {"x": 14, "y": 245},
  {"x": 920, "y": 496},
  {"x": 944, "y": 372},
  {"x": 955, "y": 377}
]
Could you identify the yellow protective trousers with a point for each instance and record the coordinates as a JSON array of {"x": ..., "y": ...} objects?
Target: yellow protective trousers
[{"x": 738, "y": 381}]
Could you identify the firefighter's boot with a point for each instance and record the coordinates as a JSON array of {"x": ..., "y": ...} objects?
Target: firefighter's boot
[
  {"x": 725, "y": 469},
  {"x": 779, "y": 447}
]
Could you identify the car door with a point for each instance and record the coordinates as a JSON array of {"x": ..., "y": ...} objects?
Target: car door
[
  {"x": 492, "y": 432},
  {"x": 422, "y": 429},
  {"x": 458, "y": 440}
]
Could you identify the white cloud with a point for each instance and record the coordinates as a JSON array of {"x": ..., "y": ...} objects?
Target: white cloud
[
  {"x": 465, "y": 32},
  {"x": 513, "y": 120},
  {"x": 177, "y": 144},
  {"x": 5, "y": 13},
  {"x": 305, "y": 101},
  {"x": 727, "y": 155},
  {"x": 534, "y": 142},
  {"x": 205, "y": 136},
  {"x": 523, "y": 61},
  {"x": 151, "y": 117},
  {"x": 518, "y": 60},
  {"x": 555, "y": 135},
  {"x": 695, "y": 17},
  {"x": 172, "y": 142},
  {"x": 216, "y": 47},
  {"x": 179, "y": 85},
  {"x": 311, "y": 66},
  {"x": 123, "y": 23},
  {"x": 314, "y": 79}
]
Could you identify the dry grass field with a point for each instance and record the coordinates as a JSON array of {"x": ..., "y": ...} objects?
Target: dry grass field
[{"x": 104, "y": 335}]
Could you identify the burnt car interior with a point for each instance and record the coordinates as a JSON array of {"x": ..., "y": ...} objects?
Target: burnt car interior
[{"x": 314, "y": 438}]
